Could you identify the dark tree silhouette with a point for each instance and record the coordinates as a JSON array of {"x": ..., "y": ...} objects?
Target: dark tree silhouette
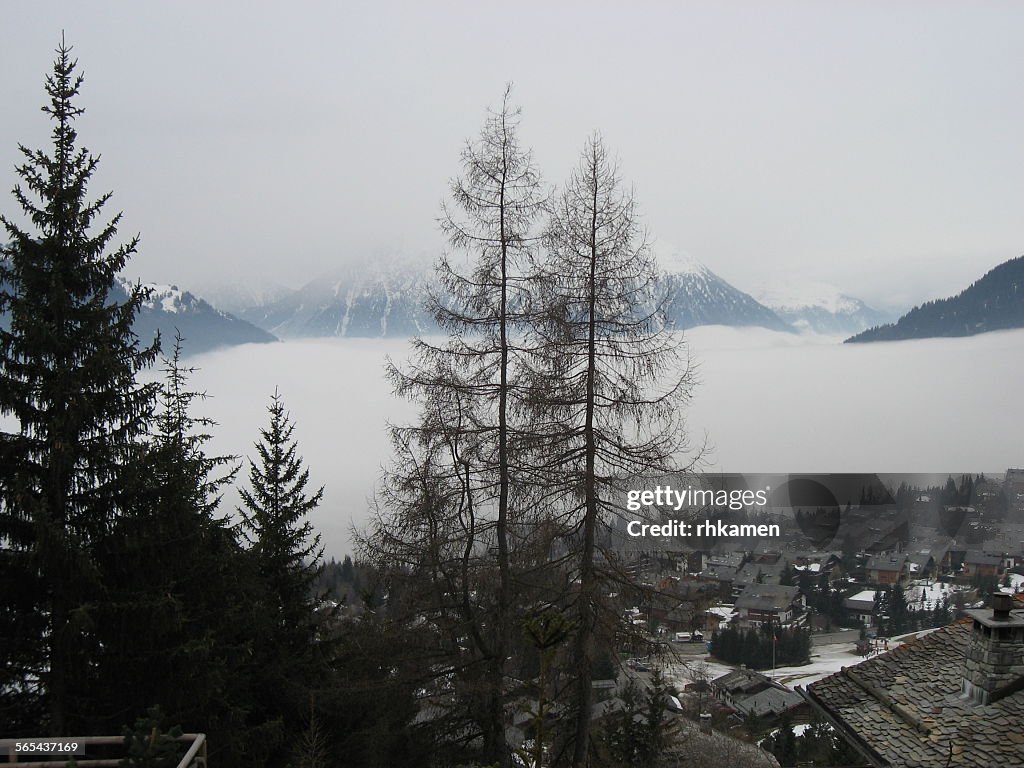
[
  {"x": 68, "y": 362},
  {"x": 276, "y": 506}
]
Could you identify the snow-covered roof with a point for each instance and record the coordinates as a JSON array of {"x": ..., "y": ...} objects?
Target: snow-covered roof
[{"x": 868, "y": 595}]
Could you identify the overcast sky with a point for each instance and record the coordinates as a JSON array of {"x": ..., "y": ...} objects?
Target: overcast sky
[{"x": 875, "y": 146}]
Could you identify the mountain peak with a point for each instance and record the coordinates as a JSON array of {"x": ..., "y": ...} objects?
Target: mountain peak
[
  {"x": 819, "y": 307},
  {"x": 170, "y": 310},
  {"x": 801, "y": 294},
  {"x": 697, "y": 296},
  {"x": 681, "y": 263}
]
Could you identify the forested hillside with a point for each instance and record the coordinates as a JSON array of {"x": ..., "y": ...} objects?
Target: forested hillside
[{"x": 993, "y": 303}]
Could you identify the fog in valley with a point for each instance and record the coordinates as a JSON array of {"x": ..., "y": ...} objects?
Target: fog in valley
[{"x": 767, "y": 401}]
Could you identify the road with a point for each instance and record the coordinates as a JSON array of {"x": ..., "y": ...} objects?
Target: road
[{"x": 832, "y": 638}]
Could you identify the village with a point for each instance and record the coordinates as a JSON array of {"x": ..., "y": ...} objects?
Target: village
[{"x": 918, "y": 564}]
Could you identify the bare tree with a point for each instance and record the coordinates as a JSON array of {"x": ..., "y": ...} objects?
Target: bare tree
[
  {"x": 457, "y": 462},
  {"x": 608, "y": 380}
]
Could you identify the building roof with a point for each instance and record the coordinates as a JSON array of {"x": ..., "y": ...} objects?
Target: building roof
[
  {"x": 980, "y": 558},
  {"x": 865, "y": 599},
  {"x": 760, "y": 573},
  {"x": 767, "y": 597},
  {"x": 741, "y": 681},
  {"x": 904, "y": 708},
  {"x": 723, "y": 611},
  {"x": 733, "y": 559},
  {"x": 771, "y": 701},
  {"x": 814, "y": 556},
  {"x": 720, "y": 571},
  {"x": 887, "y": 563}
]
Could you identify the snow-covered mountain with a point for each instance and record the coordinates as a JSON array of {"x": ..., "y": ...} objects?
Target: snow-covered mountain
[
  {"x": 170, "y": 309},
  {"x": 385, "y": 298},
  {"x": 367, "y": 300},
  {"x": 700, "y": 297},
  {"x": 819, "y": 308}
]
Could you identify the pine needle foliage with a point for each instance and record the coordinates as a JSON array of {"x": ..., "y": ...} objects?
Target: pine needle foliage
[
  {"x": 275, "y": 514},
  {"x": 68, "y": 365}
]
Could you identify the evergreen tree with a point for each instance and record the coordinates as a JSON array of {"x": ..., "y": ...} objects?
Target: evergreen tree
[
  {"x": 899, "y": 611},
  {"x": 285, "y": 553},
  {"x": 785, "y": 742},
  {"x": 184, "y": 607},
  {"x": 68, "y": 365},
  {"x": 636, "y": 734},
  {"x": 275, "y": 523},
  {"x": 347, "y": 570},
  {"x": 941, "y": 614}
]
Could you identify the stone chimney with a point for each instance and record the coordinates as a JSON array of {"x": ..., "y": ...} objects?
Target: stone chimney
[{"x": 994, "y": 663}]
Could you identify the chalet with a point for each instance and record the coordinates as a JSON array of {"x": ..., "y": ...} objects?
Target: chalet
[
  {"x": 722, "y": 575},
  {"x": 950, "y": 699},
  {"x": 921, "y": 565},
  {"x": 862, "y": 607},
  {"x": 1013, "y": 487},
  {"x": 987, "y": 491},
  {"x": 1007, "y": 541},
  {"x": 766, "y": 557},
  {"x": 717, "y": 617},
  {"x": 757, "y": 573},
  {"x": 752, "y": 694},
  {"x": 818, "y": 562},
  {"x": 674, "y": 615},
  {"x": 887, "y": 569},
  {"x": 978, "y": 565},
  {"x": 691, "y": 562},
  {"x": 768, "y": 603}
]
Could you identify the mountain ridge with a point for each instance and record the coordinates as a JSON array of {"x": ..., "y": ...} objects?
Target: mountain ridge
[
  {"x": 170, "y": 310},
  {"x": 380, "y": 301},
  {"x": 994, "y": 302},
  {"x": 817, "y": 307}
]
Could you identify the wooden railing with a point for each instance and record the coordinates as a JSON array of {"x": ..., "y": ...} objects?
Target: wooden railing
[{"x": 195, "y": 756}]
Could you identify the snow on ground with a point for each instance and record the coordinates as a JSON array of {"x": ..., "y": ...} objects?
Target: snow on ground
[
  {"x": 925, "y": 595},
  {"x": 1016, "y": 584},
  {"x": 825, "y": 660}
]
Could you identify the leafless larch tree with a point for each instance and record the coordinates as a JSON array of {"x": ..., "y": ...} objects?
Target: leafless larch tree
[{"x": 607, "y": 383}]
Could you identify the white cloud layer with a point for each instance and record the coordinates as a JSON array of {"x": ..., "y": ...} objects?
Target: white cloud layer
[{"x": 769, "y": 402}]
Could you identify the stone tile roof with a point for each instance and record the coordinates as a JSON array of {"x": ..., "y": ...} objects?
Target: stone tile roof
[
  {"x": 905, "y": 708},
  {"x": 770, "y": 701},
  {"x": 741, "y": 681}
]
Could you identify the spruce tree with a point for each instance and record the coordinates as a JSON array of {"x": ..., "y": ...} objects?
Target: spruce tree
[
  {"x": 68, "y": 365},
  {"x": 184, "y": 612},
  {"x": 286, "y": 549},
  {"x": 285, "y": 555}
]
